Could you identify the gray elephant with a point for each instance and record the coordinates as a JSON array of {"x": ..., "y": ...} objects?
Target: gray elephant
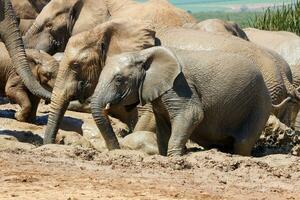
[
  {"x": 274, "y": 68},
  {"x": 194, "y": 96},
  {"x": 10, "y": 35},
  {"x": 44, "y": 68}
]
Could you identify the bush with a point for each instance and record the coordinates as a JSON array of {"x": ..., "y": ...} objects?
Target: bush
[{"x": 284, "y": 18}]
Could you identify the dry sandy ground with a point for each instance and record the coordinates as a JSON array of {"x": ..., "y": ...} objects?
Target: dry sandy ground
[{"x": 81, "y": 172}]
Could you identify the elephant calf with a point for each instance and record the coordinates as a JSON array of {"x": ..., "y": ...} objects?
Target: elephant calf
[
  {"x": 213, "y": 98},
  {"x": 44, "y": 68}
]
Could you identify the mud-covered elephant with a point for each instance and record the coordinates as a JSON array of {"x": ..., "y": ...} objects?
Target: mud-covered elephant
[
  {"x": 27, "y": 11},
  {"x": 44, "y": 68},
  {"x": 284, "y": 43},
  {"x": 83, "y": 61},
  {"x": 61, "y": 19},
  {"x": 293, "y": 108},
  {"x": 194, "y": 95},
  {"x": 219, "y": 26},
  {"x": 10, "y": 35}
]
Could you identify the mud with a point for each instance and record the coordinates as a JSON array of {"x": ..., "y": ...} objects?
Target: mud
[{"x": 84, "y": 169}]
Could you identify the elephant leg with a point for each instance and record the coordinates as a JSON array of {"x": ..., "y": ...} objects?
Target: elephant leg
[
  {"x": 183, "y": 125},
  {"x": 20, "y": 97},
  {"x": 250, "y": 132},
  {"x": 34, "y": 106},
  {"x": 163, "y": 133}
]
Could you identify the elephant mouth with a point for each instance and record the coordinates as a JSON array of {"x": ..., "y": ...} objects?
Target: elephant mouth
[{"x": 82, "y": 94}]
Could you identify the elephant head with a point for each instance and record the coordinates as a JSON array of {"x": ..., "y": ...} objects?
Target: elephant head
[
  {"x": 129, "y": 79},
  {"x": 84, "y": 58},
  {"x": 10, "y": 35},
  {"x": 43, "y": 66},
  {"x": 53, "y": 26}
]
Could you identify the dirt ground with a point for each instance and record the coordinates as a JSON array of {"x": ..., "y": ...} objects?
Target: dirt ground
[{"x": 83, "y": 169}]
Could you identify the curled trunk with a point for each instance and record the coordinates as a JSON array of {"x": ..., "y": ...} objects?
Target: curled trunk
[
  {"x": 10, "y": 35},
  {"x": 100, "y": 115}
]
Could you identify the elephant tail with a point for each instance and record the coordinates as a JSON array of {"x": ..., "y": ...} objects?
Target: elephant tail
[{"x": 283, "y": 103}]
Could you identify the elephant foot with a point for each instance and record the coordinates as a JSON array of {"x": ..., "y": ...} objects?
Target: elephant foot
[
  {"x": 21, "y": 117},
  {"x": 176, "y": 152}
]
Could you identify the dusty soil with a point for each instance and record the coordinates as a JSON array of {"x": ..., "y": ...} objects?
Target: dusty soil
[{"x": 85, "y": 170}]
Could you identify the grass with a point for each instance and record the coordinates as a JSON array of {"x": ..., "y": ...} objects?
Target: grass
[
  {"x": 244, "y": 19},
  {"x": 286, "y": 18}
]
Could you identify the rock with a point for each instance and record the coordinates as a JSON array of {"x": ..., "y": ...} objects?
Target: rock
[
  {"x": 12, "y": 144},
  {"x": 142, "y": 141},
  {"x": 72, "y": 139}
]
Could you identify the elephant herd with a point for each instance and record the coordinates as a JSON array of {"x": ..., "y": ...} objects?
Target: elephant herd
[{"x": 152, "y": 66}]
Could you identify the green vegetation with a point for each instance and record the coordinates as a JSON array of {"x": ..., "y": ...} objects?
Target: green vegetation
[
  {"x": 285, "y": 18},
  {"x": 242, "y": 18}
]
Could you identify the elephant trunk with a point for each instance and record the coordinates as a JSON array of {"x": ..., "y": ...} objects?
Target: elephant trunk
[
  {"x": 10, "y": 34},
  {"x": 100, "y": 107},
  {"x": 31, "y": 31},
  {"x": 59, "y": 104}
]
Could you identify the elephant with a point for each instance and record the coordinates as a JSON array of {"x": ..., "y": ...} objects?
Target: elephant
[
  {"x": 10, "y": 36},
  {"x": 284, "y": 43},
  {"x": 293, "y": 109},
  {"x": 27, "y": 11},
  {"x": 194, "y": 95},
  {"x": 275, "y": 70},
  {"x": 61, "y": 19},
  {"x": 219, "y": 26},
  {"x": 25, "y": 25},
  {"x": 24, "y": 9},
  {"x": 82, "y": 64},
  {"x": 44, "y": 68}
]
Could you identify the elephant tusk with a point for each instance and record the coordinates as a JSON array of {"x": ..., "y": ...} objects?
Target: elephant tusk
[{"x": 107, "y": 107}]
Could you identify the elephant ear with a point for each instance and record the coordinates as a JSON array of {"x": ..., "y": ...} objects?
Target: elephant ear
[
  {"x": 121, "y": 35},
  {"x": 162, "y": 68},
  {"x": 239, "y": 32},
  {"x": 73, "y": 15}
]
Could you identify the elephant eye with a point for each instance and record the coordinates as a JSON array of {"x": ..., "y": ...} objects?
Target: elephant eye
[
  {"x": 49, "y": 25},
  {"x": 119, "y": 80},
  {"x": 75, "y": 65},
  {"x": 48, "y": 75}
]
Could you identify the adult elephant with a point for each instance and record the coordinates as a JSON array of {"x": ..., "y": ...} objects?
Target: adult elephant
[
  {"x": 275, "y": 70},
  {"x": 61, "y": 19},
  {"x": 293, "y": 109},
  {"x": 194, "y": 95},
  {"x": 10, "y": 35},
  {"x": 27, "y": 11},
  {"x": 285, "y": 43},
  {"x": 83, "y": 61},
  {"x": 219, "y": 26}
]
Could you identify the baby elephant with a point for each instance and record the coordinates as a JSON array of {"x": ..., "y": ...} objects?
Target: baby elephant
[
  {"x": 43, "y": 66},
  {"x": 213, "y": 98}
]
